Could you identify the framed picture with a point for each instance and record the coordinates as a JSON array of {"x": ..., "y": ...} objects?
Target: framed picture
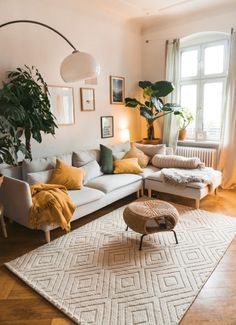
[
  {"x": 87, "y": 97},
  {"x": 117, "y": 90},
  {"x": 62, "y": 104},
  {"x": 107, "y": 127}
]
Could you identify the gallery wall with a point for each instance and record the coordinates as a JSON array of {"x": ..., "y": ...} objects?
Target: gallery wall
[{"x": 113, "y": 41}]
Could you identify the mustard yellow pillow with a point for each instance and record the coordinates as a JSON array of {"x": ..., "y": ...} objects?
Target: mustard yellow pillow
[
  {"x": 70, "y": 177},
  {"x": 126, "y": 166},
  {"x": 137, "y": 153}
]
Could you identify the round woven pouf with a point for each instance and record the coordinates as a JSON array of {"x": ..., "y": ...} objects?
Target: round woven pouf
[{"x": 151, "y": 216}]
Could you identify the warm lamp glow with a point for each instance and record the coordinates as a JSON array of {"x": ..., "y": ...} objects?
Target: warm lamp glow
[
  {"x": 125, "y": 135},
  {"x": 79, "y": 66}
]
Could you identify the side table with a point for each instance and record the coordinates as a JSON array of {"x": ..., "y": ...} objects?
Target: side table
[{"x": 4, "y": 229}]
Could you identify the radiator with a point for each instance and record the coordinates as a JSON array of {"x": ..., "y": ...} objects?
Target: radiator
[{"x": 207, "y": 155}]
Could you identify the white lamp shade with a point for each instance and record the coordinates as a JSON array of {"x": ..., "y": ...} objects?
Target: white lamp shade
[{"x": 79, "y": 66}]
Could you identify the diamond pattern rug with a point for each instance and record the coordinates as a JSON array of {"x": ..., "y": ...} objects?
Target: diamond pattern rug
[{"x": 96, "y": 274}]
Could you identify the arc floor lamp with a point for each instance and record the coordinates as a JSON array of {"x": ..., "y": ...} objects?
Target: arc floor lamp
[{"x": 76, "y": 66}]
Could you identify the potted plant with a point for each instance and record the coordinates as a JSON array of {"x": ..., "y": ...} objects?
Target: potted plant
[
  {"x": 185, "y": 118},
  {"x": 153, "y": 107},
  {"x": 24, "y": 103}
]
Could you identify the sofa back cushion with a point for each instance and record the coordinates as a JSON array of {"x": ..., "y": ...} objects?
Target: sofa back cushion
[
  {"x": 152, "y": 149},
  {"x": 82, "y": 157},
  {"x": 39, "y": 177},
  {"x": 42, "y": 164},
  {"x": 14, "y": 172}
]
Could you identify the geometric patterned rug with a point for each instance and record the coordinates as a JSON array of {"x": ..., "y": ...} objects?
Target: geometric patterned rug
[{"x": 96, "y": 274}]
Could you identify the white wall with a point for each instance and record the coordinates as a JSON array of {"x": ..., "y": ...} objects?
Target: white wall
[{"x": 114, "y": 42}]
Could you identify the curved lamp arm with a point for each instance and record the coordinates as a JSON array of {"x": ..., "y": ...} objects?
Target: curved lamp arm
[
  {"x": 76, "y": 66},
  {"x": 41, "y": 24}
]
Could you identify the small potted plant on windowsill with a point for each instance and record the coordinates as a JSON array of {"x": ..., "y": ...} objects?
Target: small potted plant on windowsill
[{"x": 185, "y": 118}]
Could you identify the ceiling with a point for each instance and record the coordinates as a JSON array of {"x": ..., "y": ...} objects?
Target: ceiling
[{"x": 144, "y": 9}]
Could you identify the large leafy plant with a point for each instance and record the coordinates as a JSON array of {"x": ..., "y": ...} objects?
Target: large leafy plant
[
  {"x": 153, "y": 106},
  {"x": 24, "y": 103}
]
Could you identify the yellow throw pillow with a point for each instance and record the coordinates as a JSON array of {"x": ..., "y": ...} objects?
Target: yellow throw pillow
[
  {"x": 127, "y": 166},
  {"x": 69, "y": 176},
  {"x": 137, "y": 153}
]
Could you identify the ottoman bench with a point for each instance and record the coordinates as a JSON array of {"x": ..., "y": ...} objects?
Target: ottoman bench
[
  {"x": 195, "y": 191},
  {"x": 151, "y": 216}
]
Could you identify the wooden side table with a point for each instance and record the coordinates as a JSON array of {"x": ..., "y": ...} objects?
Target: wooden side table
[{"x": 4, "y": 229}]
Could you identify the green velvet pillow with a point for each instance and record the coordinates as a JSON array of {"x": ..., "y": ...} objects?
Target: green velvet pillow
[{"x": 106, "y": 160}]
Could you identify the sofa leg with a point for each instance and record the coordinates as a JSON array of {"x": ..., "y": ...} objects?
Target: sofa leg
[
  {"x": 149, "y": 193},
  {"x": 216, "y": 190},
  {"x": 197, "y": 204},
  {"x": 3, "y": 225},
  {"x": 138, "y": 194},
  {"x": 142, "y": 191},
  {"x": 47, "y": 236}
]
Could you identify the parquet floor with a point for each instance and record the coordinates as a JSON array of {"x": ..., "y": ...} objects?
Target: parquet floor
[{"x": 20, "y": 305}]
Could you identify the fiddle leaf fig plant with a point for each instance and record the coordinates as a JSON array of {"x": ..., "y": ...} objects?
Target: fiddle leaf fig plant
[
  {"x": 25, "y": 104},
  {"x": 153, "y": 107}
]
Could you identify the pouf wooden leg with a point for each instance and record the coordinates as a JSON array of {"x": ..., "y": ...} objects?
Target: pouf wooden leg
[
  {"x": 141, "y": 242},
  {"x": 176, "y": 239}
]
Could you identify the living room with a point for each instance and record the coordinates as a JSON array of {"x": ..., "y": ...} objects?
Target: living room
[{"x": 128, "y": 40}]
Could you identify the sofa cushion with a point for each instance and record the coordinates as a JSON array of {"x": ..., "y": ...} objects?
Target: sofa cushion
[
  {"x": 106, "y": 159},
  {"x": 121, "y": 147},
  {"x": 92, "y": 170},
  {"x": 152, "y": 149},
  {"x": 41, "y": 164},
  {"x": 149, "y": 170},
  {"x": 109, "y": 183},
  {"x": 85, "y": 195},
  {"x": 82, "y": 157},
  {"x": 69, "y": 176},
  {"x": 40, "y": 177}
]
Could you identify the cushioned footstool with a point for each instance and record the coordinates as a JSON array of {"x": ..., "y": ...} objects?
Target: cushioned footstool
[{"x": 151, "y": 216}]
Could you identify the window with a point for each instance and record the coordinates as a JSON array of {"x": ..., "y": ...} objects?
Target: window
[{"x": 203, "y": 72}]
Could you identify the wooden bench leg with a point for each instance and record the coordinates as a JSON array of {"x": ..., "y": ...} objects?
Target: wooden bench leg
[
  {"x": 138, "y": 194},
  {"x": 149, "y": 193},
  {"x": 142, "y": 191},
  {"x": 197, "y": 204},
  {"x": 47, "y": 236}
]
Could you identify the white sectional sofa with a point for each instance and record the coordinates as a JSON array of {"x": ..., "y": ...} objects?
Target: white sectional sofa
[{"x": 95, "y": 194}]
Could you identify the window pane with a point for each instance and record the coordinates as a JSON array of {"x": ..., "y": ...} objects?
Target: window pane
[
  {"x": 189, "y": 63},
  {"x": 214, "y": 59},
  {"x": 188, "y": 98},
  {"x": 212, "y": 108}
]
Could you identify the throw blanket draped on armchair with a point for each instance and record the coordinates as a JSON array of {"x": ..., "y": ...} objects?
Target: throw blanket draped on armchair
[{"x": 51, "y": 206}]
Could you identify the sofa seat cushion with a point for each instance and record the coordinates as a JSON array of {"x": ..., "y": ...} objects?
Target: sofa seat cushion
[
  {"x": 216, "y": 180},
  {"x": 109, "y": 183},
  {"x": 85, "y": 195},
  {"x": 149, "y": 170}
]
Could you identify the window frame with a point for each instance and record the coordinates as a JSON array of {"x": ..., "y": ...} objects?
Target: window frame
[{"x": 200, "y": 79}]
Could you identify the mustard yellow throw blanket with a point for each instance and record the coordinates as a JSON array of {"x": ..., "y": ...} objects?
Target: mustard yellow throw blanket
[{"x": 51, "y": 206}]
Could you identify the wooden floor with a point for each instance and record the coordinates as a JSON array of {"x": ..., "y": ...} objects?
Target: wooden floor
[{"x": 20, "y": 305}]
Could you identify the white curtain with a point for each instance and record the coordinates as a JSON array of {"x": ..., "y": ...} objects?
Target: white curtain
[
  {"x": 170, "y": 128},
  {"x": 227, "y": 159}
]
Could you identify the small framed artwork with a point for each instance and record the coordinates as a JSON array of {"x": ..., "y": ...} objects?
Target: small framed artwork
[
  {"x": 87, "y": 97},
  {"x": 107, "y": 127},
  {"x": 62, "y": 104},
  {"x": 117, "y": 90}
]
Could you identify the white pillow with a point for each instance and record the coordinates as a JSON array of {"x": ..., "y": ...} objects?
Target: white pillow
[
  {"x": 121, "y": 147},
  {"x": 92, "y": 170},
  {"x": 39, "y": 177},
  {"x": 118, "y": 155}
]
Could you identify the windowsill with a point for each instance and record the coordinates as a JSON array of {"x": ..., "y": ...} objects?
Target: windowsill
[{"x": 194, "y": 143}]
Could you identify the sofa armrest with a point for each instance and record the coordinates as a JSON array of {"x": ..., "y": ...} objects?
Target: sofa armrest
[{"x": 16, "y": 198}]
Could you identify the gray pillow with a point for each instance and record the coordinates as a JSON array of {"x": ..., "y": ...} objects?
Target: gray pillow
[
  {"x": 92, "y": 170},
  {"x": 39, "y": 177},
  {"x": 82, "y": 157},
  {"x": 152, "y": 149}
]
